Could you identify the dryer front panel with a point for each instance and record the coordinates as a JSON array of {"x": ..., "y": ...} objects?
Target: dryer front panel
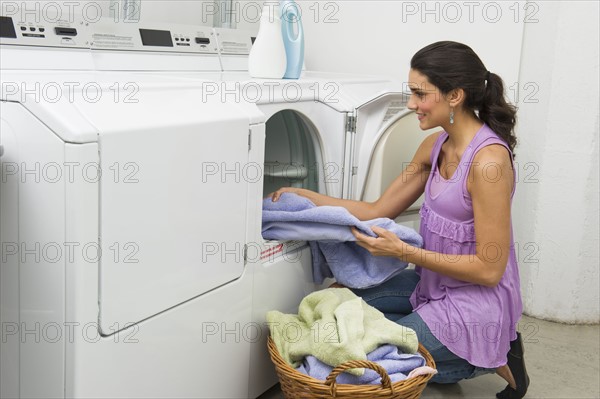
[{"x": 172, "y": 216}]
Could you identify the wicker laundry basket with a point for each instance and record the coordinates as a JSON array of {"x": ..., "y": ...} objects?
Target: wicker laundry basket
[{"x": 296, "y": 385}]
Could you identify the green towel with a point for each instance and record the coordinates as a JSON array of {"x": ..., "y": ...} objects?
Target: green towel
[{"x": 334, "y": 325}]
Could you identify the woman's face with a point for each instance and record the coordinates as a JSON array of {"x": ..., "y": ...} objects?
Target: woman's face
[{"x": 427, "y": 101}]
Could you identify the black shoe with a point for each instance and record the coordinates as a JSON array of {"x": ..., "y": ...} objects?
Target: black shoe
[{"x": 516, "y": 364}]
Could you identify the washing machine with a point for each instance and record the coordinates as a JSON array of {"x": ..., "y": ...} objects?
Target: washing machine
[
  {"x": 122, "y": 271},
  {"x": 134, "y": 164}
]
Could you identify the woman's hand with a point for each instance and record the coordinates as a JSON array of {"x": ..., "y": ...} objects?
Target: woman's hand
[
  {"x": 385, "y": 244},
  {"x": 275, "y": 196}
]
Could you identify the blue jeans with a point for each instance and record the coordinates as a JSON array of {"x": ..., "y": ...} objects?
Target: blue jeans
[{"x": 392, "y": 298}]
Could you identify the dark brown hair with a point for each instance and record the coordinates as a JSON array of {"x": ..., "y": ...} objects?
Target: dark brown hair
[{"x": 451, "y": 65}]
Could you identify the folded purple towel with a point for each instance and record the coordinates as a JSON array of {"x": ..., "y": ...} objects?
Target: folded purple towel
[{"x": 294, "y": 217}]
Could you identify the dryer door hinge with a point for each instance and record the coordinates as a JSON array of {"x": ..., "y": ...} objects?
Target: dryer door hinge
[
  {"x": 249, "y": 139},
  {"x": 351, "y": 124}
]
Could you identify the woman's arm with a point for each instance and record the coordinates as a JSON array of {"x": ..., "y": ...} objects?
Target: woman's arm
[
  {"x": 490, "y": 186},
  {"x": 402, "y": 193}
]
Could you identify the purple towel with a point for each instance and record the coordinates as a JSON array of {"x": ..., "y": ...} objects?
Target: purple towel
[
  {"x": 334, "y": 253},
  {"x": 397, "y": 364}
]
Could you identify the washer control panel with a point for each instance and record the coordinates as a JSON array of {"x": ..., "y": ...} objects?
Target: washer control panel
[
  {"x": 107, "y": 34},
  {"x": 178, "y": 38},
  {"x": 13, "y": 30}
]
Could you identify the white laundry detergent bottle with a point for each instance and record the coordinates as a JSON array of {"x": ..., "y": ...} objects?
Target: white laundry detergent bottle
[{"x": 267, "y": 58}]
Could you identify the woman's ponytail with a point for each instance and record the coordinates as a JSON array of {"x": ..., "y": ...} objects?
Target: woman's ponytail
[{"x": 498, "y": 114}]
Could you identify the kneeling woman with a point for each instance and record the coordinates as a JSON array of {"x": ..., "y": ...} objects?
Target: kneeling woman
[{"x": 463, "y": 298}]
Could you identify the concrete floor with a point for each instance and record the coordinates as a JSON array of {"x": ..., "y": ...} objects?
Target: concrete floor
[{"x": 563, "y": 361}]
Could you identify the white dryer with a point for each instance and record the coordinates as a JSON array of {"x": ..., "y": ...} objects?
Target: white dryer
[{"x": 113, "y": 283}]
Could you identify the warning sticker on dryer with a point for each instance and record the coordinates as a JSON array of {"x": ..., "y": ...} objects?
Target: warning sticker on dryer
[
  {"x": 271, "y": 252},
  {"x": 112, "y": 41}
]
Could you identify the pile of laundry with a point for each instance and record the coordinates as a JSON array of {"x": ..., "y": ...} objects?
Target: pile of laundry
[
  {"x": 334, "y": 326},
  {"x": 334, "y": 252}
]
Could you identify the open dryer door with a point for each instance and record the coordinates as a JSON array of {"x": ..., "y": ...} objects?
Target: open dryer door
[
  {"x": 173, "y": 209},
  {"x": 386, "y": 138}
]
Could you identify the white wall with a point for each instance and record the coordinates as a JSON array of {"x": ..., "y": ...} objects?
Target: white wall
[
  {"x": 556, "y": 208},
  {"x": 380, "y": 37}
]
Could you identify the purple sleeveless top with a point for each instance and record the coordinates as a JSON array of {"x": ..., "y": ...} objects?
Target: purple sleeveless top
[{"x": 473, "y": 321}]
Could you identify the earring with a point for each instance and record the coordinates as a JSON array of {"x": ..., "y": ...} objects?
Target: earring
[{"x": 451, "y": 116}]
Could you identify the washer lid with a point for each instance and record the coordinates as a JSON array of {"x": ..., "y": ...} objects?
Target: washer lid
[
  {"x": 175, "y": 176},
  {"x": 78, "y": 106}
]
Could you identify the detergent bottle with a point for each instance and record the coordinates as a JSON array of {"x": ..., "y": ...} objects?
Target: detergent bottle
[
  {"x": 267, "y": 57},
  {"x": 293, "y": 39}
]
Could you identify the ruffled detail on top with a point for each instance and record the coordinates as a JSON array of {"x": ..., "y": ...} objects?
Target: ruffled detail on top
[{"x": 437, "y": 224}]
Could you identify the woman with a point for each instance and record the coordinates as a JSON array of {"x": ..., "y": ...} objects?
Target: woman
[{"x": 463, "y": 298}]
